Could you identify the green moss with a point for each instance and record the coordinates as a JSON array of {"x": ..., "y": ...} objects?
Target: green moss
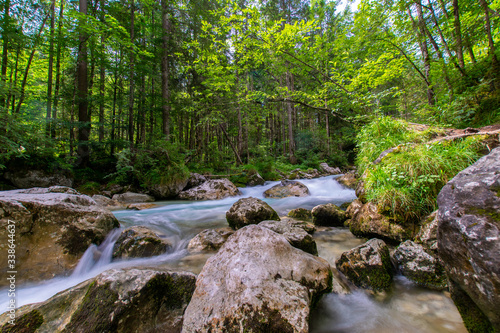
[
  {"x": 170, "y": 290},
  {"x": 28, "y": 323},
  {"x": 300, "y": 213},
  {"x": 492, "y": 214},
  {"x": 93, "y": 314},
  {"x": 474, "y": 319}
]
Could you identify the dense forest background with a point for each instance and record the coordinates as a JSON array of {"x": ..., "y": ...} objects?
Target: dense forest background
[{"x": 113, "y": 90}]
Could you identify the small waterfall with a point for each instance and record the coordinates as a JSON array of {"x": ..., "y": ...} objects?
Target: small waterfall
[{"x": 97, "y": 256}]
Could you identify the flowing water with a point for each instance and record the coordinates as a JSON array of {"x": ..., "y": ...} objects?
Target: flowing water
[{"x": 406, "y": 308}]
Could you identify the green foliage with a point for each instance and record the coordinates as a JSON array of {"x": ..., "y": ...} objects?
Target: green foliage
[
  {"x": 406, "y": 183},
  {"x": 160, "y": 164},
  {"x": 383, "y": 133}
]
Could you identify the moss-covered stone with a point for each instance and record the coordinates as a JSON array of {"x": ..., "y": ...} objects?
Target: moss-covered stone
[
  {"x": 301, "y": 214},
  {"x": 368, "y": 265},
  {"x": 27, "y": 323},
  {"x": 139, "y": 242},
  {"x": 328, "y": 215},
  {"x": 474, "y": 319},
  {"x": 249, "y": 211}
]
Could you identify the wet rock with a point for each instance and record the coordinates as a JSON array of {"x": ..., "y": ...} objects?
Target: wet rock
[
  {"x": 419, "y": 266},
  {"x": 257, "y": 282},
  {"x": 297, "y": 237},
  {"x": 299, "y": 174},
  {"x": 360, "y": 191},
  {"x": 366, "y": 221},
  {"x": 368, "y": 265},
  {"x": 249, "y": 211},
  {"x": 427, "y": 236},
  {"x": 255, "y": 179},
  {"x": 141, "y": 206},
  {"x": 106, "y": 202},
  {"x": 128, "y": 300},
  {"x": 52, "y": 228},
  {"x": 195, "y": 179},
  {"x": 139, "y": 242},
  {"x": 468, "y": 240},
  {"x": 38, "y": 178},
  {"x": 287, "y": 188},
  {"x": 209, "y": 240},
  {"x": 301, "y": 214},
  {"x": 328, "y": 215},
  {"x": 348, "y": 180},
  {"x": 131, "y": 197},
  {"x": 328, "y": 170},
  {"x": 167, "y": 189},
  {"x": 215, "y": 189}
]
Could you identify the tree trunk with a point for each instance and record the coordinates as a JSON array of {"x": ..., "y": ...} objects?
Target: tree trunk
[
  {"x": 5, "y": 48},
  {"x": 289, "y": 111},
  {"x": 82, "y": 94},
  {"x": 132, "y": 83},
  {"x": 28, "y": 65},
  {"x": 102, "y": 78},
  {"x": 48, "y": 116},
  {"x": 425, "y": 53},
  {"x": 165, "y": 69},
  {"x": 58, "y": 68},
  {"x": 458, "y": 34},
  {"x": 495, "y": 66}
]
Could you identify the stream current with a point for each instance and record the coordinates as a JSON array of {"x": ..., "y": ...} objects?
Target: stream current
[{"x": 405, "y": 308}]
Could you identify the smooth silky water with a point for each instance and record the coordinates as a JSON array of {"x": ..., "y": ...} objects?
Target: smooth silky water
[{"x": 406, "y": 308}]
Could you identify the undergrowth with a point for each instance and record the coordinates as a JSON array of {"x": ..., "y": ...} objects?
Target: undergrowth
[{"x": 406, "y": 183}]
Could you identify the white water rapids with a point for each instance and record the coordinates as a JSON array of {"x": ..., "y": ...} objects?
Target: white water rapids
[{"x": 405, "y": 309}]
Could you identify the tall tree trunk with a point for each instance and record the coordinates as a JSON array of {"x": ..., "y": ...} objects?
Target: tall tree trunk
[
  {"x": 425, "y": 52},
  {"x": 132, "y": 83},
  {"x": 48, "y": 116},
  {"x": 458, "y": 34},
  {"x": 165, "y": 69},
  {"x": 102, "y": 78},
  {"x": 28, "y": 65},
  {"x": 5, "y": 47},
  {"x": 58, "y": 68},
  {"x": 289, "y": 112},
  {"x": 495, "y": 66},
  {"x": 82, "y": 94}
]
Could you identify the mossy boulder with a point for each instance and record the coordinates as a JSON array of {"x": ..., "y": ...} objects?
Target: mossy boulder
[
  {"x": 468, "y": 240},
  {"x": 249, "y": 211},
  {"x": 167, "y": 189},
  {"x": 195, "y": 179},
  {"x": 296, "y": 235},
  {"x": 419, "y": 266},
  {"x": 38, "y": 178},
  {"x": 301, "y": 214},
  {"x": 53, "y": 227},
  {"x": 214, "y": 189},
  {"x": 367, "y": 221},
  {"x": 128, "y": 300},
  {"x": 257, "y": 282},
  {"x": 209, "y": 239},
  {"x": 140, "y": 242},
  {"x": 132, "y": 197},
  {"x": 328, "y": 215},
  {"x": 349, "y": 180},
  {"x": 427, "y": 236},
  {"x": 368, "y": 265},
  {"x": 287, "y": 188}
]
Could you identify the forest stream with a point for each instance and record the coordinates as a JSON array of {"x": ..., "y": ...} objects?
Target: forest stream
[{"x": 405, "y": 308}]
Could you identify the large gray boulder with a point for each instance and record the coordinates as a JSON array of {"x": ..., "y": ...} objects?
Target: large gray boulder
[
  {"x": 38, "y": 178},
  {"x": 295, "y": 233},
  {"x": 128, "y": 301},
  {"x": 195, "y": 179},
  {"x": 249, "y": 211},
  {"x": 287, "y": 188},
  {"x": 53, "y": 228},
  {"x": 131, "y": 197},
  {"x": 106, "y": 202},
  {"x": 469, "y": 241},
  {"x": 167, "y": 189},
  {"x": 257, "y": 282},
  {"x": 211, "y": 190},
  {"x": 140, "y": 242},
  {"x": 368, "y": 265},
  {"x": 328, "y": 215},
  {"x": 328, "y": 170},
  {"x": 420, "y": 266}
]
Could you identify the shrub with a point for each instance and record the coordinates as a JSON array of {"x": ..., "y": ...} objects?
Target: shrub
[{"x": 406, "y": 183}]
